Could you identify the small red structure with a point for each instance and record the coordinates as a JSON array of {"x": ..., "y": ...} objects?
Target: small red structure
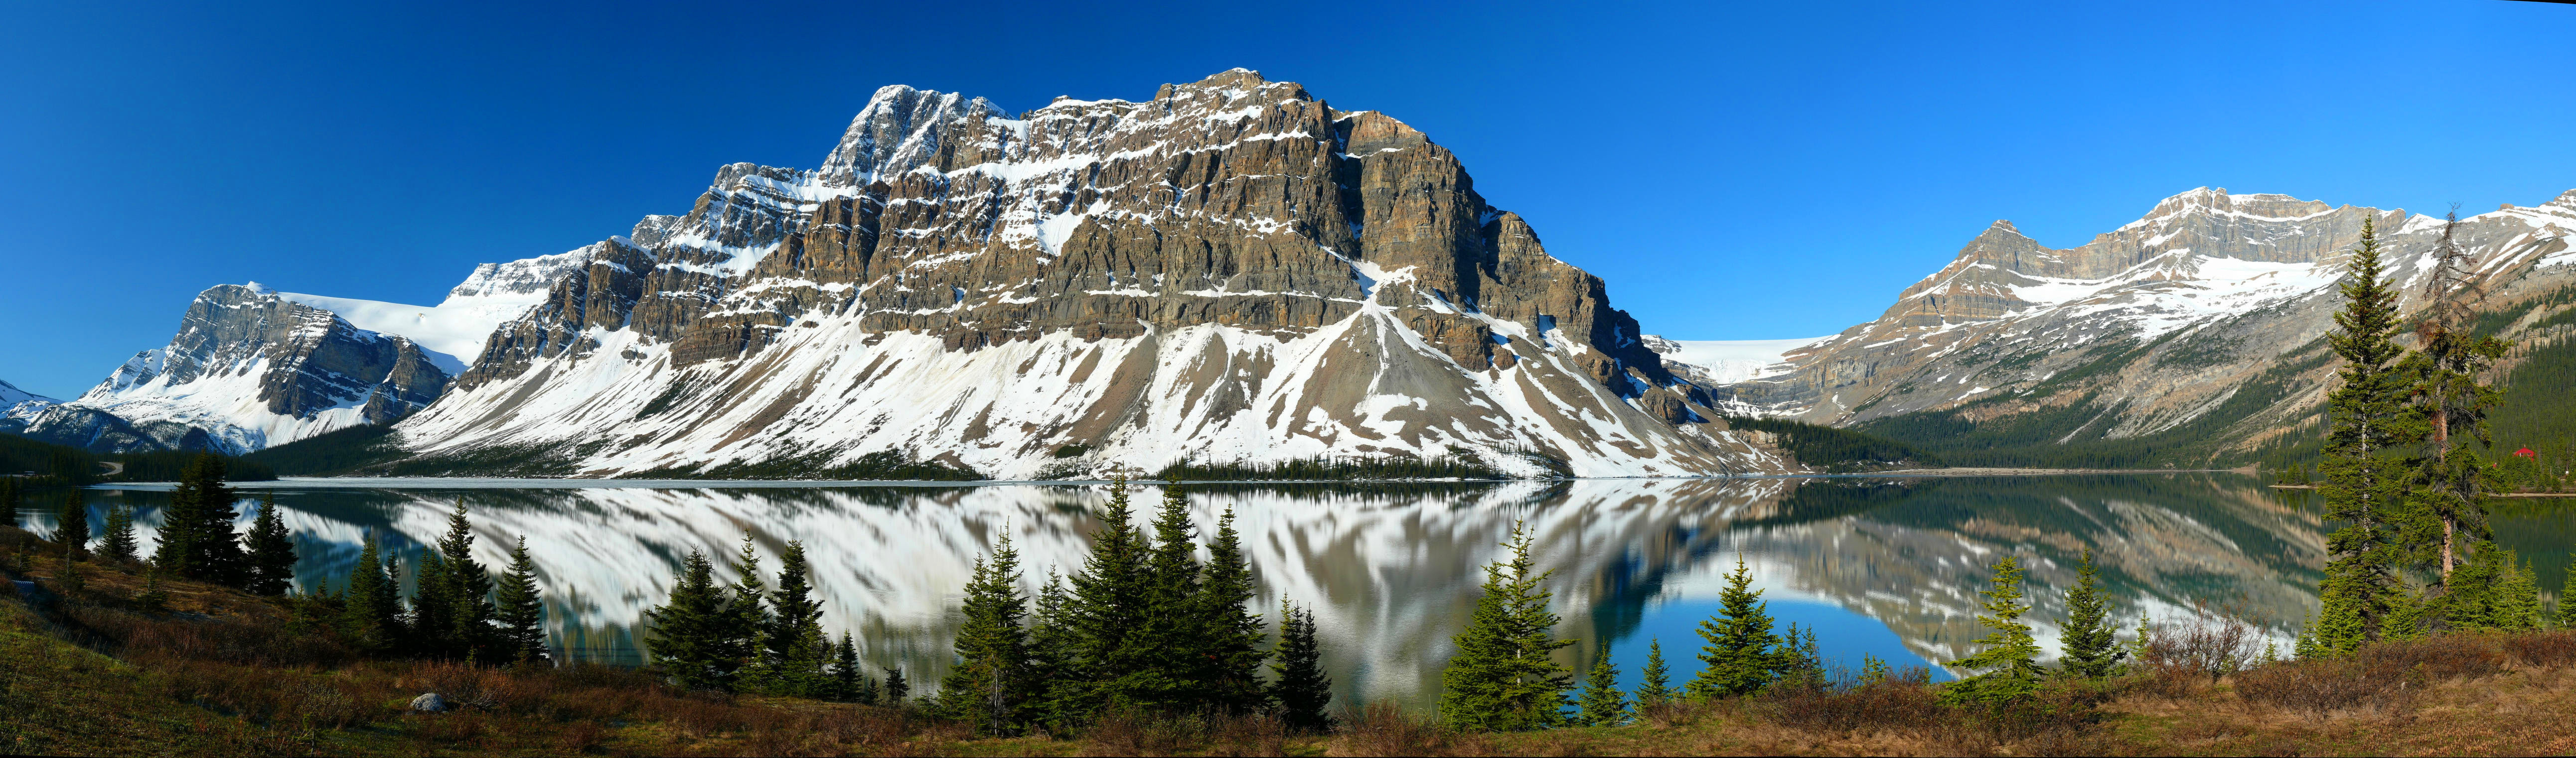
[{"x": 2525, "y": 453}]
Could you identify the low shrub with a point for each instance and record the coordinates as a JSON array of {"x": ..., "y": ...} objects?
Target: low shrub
[
  {"x": 1382, "y": 729},
  {"x": 2542, "y": 649}
]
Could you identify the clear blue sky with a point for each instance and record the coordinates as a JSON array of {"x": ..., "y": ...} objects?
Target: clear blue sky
[{"x": 1735, "y": 172}]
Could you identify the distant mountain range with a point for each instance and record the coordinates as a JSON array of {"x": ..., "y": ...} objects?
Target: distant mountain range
[
  {"x": 1230, "y": 272},
  {"x": 1236, "y": 272}
]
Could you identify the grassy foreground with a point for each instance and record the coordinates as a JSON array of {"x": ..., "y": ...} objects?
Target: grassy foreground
[{"x": 123, "y": 666}]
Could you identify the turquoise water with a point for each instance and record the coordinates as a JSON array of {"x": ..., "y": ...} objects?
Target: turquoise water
[{"x": 1883, "y": 567}]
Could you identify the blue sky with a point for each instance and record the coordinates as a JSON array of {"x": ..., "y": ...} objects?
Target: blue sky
[{"x": 1734, "y": 171}]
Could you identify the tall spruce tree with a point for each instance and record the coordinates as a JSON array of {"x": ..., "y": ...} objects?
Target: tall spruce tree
[
  {"x": 2090, "y": 647},
  {"x": 1602, "y": 703},
  {"x": 197, "y": 538},
  {"x": 746, "y": 613},
  {"x": 71, "y": 526},
  {"x": 793, "y": 650},
  {"x": 1056, "y": 688},
  {"x": 2010, "y": 658},
  {"x": 2492, "y": 591},
  {"x": 988, "y": 683},
  {"x": 371, "y": 608},
  {"x": 272, "y": 552},
  {"x": 9, "y": 502},
  {"x": 1167, "y": 651},
  {"x": 1298, "y": 682},
  {"x": 468, "y": 590},
  {"x": 1109, "y": 597},
  {"x": 896, "y": 687},
  {"x": 2368, "y": 475},
  {"x": 520, "y": 609},
  {"x": 119, "y": 545},
  {"x": 2453, "y": 392},
  {"x": 685, "y": 636},
  {"x": 1740, "y": 657},
  {"x": 434, "y": 602},
  {"x": 1504, "y": 677},
  {"x": 1654, "y": 687},
  {"x": 1231, "y": 632}
]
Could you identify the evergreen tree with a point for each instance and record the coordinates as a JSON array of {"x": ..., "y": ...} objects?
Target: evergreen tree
[
  {"x": 984, "y": 688},
  {"x": 433, "y": 609},
  {"x": 1053, "y": 664},
  {"x": 468, "y": 591},
  {"x": 1602, "y": 703},
  {"x": 2452, "y": 395},
  {"x": 1109, "y": 596},
  {"x": 1168, "y": 649},
  {"x": 1299, "y": 684},
  {"x": 371, "y": 612},
  {"x": 2492, "y": 591},
  {"x": 520, "y": 609},
  {"x": 1504, "y": 677},
  {"x": 9, "y": 501},
  {"x": 120, "y": 545},
  {"x": 1231, "y": 632},
  {"x": 2090, "y": 648},
  {"x": 2367, "y": 477},
  {"x": 685, "y": 635},
  {"x": 197, "y": 538},
  {"x": 793, "y": 650},
  {"x": 896, "y": 689},
  {"x": 1738, "y": 658},
  {"x": 746, "y": 614},
  {"x": 849, "y": 683},
  {"x": 71, "y": 526},
  {"x": 1654, "y": 687},
  {"x": 272, "y": 552},
  {"x": 2010, "y": 655}
]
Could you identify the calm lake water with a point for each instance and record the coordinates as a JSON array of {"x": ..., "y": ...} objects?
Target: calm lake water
[{"x": 1884, "y": 567}]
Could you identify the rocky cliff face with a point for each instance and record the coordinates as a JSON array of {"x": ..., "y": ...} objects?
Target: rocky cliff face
[
  {"x": 247, "y": 369},
  {"x": 2209, "y": 309},
  {"x": 1232, "y": 270}
]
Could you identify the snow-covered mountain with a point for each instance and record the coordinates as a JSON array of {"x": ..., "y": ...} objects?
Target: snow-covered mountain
[
  {"x": 1727, "y": 361},
  {"x": 2208, "y": 309},
  {"x": 249, "y": 368},
  {"x": 1231, "y": 271},
  {"x": 11, "y": 397}
]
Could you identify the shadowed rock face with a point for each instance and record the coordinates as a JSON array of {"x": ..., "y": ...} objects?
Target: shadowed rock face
[
  {"x": 246, "y": 370},
  {"x": 2152, "y": 325},
  {"x": 1220, "y": 271}
]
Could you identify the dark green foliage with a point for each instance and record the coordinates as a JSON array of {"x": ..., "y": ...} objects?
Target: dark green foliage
[
  {"x": 1837, "y": 450},
  {"x": 371, "y": 610},
  {"x": 71, "y": 525},
  {"x": 1070, "y": 451},
  {"x": 1299, "y": 684},
  {"x": 746, "y": 613},
  {"x": 1504, "y": 677},
  {"x": 1334, "y": 468},
  {"x": 2090, "y": 647},
  {"x": 197, "y": 538},
  {"x": 686, "y": 635},
  {"x": 1109, "y": 596},
  {"x": 793, "y": 650},
  {"x": 272, "y": 552},
  {"x": 453, "y": 613},
  {"x": 334, "y": 452},
  {"x": 1654, "y": 685},
  {"x": 2492, "y": 591},
  {"x": 1602, "y": 704},
  {"x": 62, "y": 465},
  {"x": 519, "y": 608},
  {"x": 120, "y": 545},
  {"x": 1230, "y": 634},
  {"x": 2538, "y": 412},
  {"x": 850, "y": 682},
  {"x": 896, "y": 689},
  {"x": 883, "y": 465},
  {"x": 986, "y": 687},
  {"x": 168, "y": 465},
  {"x": 9, "y": 500},
  {"x": 1740, "y": 656},
  {"x": 2367, "y": 476},
  {"x": 2009, "y": 661},
  {"x": 1057, "y": 689},
  {"x": 664, "y": 401}
]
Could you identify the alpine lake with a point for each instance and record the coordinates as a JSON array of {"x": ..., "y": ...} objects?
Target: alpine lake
[{"x": 1884, "y": 567}]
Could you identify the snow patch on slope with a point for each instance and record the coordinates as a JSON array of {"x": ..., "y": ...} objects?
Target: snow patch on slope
[{"x": 1727, "y": 361}]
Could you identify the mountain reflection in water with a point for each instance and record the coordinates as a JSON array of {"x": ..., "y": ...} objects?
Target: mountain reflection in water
[{"x": 1889, "y": 567}]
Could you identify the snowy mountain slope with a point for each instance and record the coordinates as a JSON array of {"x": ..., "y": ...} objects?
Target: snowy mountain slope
[
  {"x": 2211, "y": 301},
  {"x": 247, "y": 369},
  {"x": 1727, "y": 361},
  {"x": 11, "y": 398},
  {"x": 1231, "y": 271}
]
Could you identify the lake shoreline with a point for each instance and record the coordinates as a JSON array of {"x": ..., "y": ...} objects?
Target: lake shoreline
[{"x": 435, "y": 482}]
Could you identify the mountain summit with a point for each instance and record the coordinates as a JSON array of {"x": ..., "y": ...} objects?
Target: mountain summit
[{"x": 1230, "y": 271}]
